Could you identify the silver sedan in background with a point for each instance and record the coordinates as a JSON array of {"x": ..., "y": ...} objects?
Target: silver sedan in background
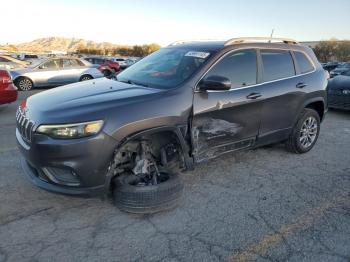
[{"x": 54, "y": 72}]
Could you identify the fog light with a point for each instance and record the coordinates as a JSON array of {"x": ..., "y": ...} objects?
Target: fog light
[{"x": 61, "y": 176}]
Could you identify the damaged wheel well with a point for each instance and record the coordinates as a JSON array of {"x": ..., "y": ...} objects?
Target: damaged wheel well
[{"x": 165, "y": 147}]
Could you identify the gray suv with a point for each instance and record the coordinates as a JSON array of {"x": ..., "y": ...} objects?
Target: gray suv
[{"x": 184, "y": 104}]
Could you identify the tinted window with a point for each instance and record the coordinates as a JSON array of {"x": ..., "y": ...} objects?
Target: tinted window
[
  {"x": 303, "y": 62},
  {"x": 240, "y": 67},
  {"x": 66, "y": 63},
  {"x": 277, "y": 64}
]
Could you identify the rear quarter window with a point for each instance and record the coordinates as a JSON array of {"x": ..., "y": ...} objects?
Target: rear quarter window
[
  {"x": 277, "y": 64},
  {"x": 303, "y": 62}
]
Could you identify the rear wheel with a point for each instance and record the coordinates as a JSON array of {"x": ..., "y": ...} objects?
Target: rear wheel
[
  {"x": 132, "y": 193},
  {"x": 305, "y": 132},
  {"x": 24, "y": 84},
  {"x": 86, "y": 77}
]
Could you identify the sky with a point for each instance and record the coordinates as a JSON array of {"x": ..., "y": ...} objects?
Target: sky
[{"x": 161, "y": 21}]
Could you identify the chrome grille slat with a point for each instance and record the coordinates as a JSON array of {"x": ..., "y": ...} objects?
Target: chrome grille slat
[{"x": 24, "y": 126}]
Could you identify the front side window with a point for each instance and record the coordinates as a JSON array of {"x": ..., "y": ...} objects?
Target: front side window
[
  {"x": 165, "y": 68},
  {"x": 303, "y": 62},
  {"x": 277, "y": 64},
  {"x": 239, "y": 67}
]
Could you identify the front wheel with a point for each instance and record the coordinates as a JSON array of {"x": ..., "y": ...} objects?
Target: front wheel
[
  {"x": 132, "y": 194},
  {"x": 305, "y": 133}
]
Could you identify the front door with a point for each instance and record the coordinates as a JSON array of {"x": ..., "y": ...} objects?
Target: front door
[{"x": 225, "y": 121}]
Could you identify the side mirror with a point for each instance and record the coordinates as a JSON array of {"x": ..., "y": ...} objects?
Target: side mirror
[{"x": 218, "y": 83}]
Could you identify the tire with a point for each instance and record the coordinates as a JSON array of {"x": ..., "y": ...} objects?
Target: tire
[
  {"x": 86, "y": 77},
  {"x": 147, "y": 199},
  {"x": 24, "y": 84},
  {"x": 305, "y": 133}
]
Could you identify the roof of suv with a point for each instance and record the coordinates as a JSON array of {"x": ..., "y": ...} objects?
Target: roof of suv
[{"x": 217, "y": 45}]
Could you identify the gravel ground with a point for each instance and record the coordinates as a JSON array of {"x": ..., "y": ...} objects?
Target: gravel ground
[{"x": 260, "y": 205}]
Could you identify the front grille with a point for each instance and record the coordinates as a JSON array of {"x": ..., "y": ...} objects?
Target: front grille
[{"x": 24, "y": 126}]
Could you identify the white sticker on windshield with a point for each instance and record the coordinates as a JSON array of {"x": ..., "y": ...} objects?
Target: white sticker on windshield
[{"x": 197, "y": 54}]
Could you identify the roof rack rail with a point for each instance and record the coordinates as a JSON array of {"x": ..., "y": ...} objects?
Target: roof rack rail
[
  {"x": 260, "y": 39},
  {"x": 181, "y": 42}
]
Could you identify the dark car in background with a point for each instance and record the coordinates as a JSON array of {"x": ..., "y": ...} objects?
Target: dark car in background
[
  {"x": 183, "y": 104},
  {"x": 339, "y": 91},
  {"x": 330, "y": 66},
  {"x": 8, "y": 92},
  {"x": 341, "y": 68}
]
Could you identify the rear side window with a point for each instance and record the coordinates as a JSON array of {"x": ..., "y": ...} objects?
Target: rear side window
[
  {"x": 303, "y": 62},
  {"x": 277, "y": 64},
  {"x": 78, "y": 62},
  {"x": 240, "y": 67}
]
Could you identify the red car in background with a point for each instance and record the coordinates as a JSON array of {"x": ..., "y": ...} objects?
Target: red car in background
[
  {"x": 106, "y": 66},
  {"x": 8, "y": 92}
]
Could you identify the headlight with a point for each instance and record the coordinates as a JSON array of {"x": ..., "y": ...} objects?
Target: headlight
[{"x": 71, "y": 130}]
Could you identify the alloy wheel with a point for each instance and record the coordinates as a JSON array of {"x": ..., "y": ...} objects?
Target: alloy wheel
[
  {"x": 308, "y": 132},
  {"x": 25, "y": 84}
]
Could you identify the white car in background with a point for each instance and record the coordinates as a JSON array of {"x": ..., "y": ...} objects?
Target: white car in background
[
  {"x": 121, "y": 61},
  {"x": 8, "y": 62}
]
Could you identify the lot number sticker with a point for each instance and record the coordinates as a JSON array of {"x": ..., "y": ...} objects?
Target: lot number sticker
[{"x": 197, "y": 54}]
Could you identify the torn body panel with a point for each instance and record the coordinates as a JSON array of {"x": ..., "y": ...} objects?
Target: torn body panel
[
  {"x": 224, "y": 122},
  {"x": 213, "y": 137}
]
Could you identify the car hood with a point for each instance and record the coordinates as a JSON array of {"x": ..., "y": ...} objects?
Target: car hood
[
  {"x": 20, "y": 71},
  {"x": 84, "y": 101}
]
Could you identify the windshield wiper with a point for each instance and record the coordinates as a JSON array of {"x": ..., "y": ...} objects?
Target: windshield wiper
[{"x": 133, "y": 82}]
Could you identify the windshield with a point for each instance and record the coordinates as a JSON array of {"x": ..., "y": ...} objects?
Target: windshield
[{"x": 165, "y": 68}]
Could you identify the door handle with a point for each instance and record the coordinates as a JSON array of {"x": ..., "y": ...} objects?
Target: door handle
[
  {"x": 253, "y": 95},
  {"x": 301, "y": 85}
]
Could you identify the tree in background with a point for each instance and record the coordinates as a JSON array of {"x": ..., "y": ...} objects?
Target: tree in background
[
  {"x": 136, "y": 50},
  {"x": 333, "y": 50},
  {"x": 342, "y": 51}
]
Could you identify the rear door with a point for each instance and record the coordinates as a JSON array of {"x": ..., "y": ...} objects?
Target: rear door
[
  {"x": 72, "y": 70},
  {"x": 283, "y": 94},
  {"x": 225, "y": 121}
]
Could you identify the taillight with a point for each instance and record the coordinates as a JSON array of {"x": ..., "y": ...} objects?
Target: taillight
[{"x": 5, "y": 77}]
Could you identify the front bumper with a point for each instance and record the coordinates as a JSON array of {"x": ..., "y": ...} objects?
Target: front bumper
[{"x": 85, "y": 159}]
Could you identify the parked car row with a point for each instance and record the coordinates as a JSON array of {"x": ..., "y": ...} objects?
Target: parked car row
[
  {"x": 31, "y": 71},
  {"x": 54, "y": 72}
]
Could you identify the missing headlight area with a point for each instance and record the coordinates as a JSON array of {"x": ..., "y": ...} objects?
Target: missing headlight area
[{"x": 146, "y": 156}]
